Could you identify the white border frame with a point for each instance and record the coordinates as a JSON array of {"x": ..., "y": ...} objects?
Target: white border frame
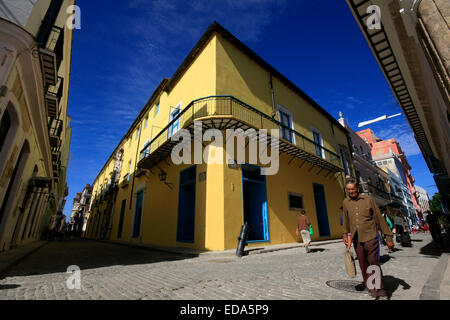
[
  {"x": 291, "y": 116},
  {"x": 142, "y": 187},
  {"x": 170, "y": 133},
  {"x": 314, "y": 129}
]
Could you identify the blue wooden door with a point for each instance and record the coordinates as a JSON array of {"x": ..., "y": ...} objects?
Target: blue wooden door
[
  {"x": 255, "y": 203},
  {"x": 321, "y": 210},
  {"x": 138, "y": 215},
  {"x": 122, "y": 214},
  {"x": 186, "y": 206}
]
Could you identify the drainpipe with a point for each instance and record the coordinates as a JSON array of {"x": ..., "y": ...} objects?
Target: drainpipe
[{"x": 274, "y": 112}]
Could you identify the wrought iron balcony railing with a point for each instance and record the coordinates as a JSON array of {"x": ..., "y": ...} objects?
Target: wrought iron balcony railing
[
  {"x": 227, "y": 112},
  {"x": 397, "y": 197},
  {"x": 371, "y": 189},
  {"x": 125, "y": 181}
]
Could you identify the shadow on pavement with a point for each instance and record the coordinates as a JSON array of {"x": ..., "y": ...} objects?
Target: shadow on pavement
[
  {"x": 385, "y": 258},
  {"x": 317, "y": 250},
  {"x": 57, "y": 256},
  {"x": 391, "y": 284},
  {"x": 433, "y": 249},
  {"x": 8, "y": 286}
]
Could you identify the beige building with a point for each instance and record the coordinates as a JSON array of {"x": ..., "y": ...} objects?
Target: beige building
[
  {"x": 411, "y": 45},
  {"x": 35, "y": 59},
  {"x": 373, "y": 180},
  {"x": 423, "y": 198},
  {"x": 81, "y": 202}
]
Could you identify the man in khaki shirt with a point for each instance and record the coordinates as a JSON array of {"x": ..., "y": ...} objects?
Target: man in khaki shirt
[{"x": 360, "y": 222}]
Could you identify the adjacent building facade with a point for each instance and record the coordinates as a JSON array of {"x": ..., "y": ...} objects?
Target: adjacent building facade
[
  {"x": 35, "y": 59},
  {"x": 389, "y": 153},
  {"x": 411, "y": 45},
  {"x": 81, "y": 203},
  {"x": 142, "y": 195},
  {"x": 401, "y": 197},
  {"x": 373, "y": 180},
  {"x": 424, "y": 199}
]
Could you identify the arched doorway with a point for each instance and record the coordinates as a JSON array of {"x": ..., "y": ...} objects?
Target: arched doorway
[{"x": 14, "y": 183}]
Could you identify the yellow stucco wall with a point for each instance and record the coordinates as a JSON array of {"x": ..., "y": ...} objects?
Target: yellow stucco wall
[{"x": 160, "y": 215}]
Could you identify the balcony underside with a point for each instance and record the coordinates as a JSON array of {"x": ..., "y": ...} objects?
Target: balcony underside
[
  {"x": 381, "y": 46},
  {"x": 229, "y": 122},
  {"x": 48, "y": 63},
  {"x": 55, "y": 142},
  {"x": 51, "y": 102},
  {"x": 56, "y": 156}
]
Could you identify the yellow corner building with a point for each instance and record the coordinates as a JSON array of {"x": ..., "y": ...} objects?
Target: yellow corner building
[{"x": 142, "y": 196}]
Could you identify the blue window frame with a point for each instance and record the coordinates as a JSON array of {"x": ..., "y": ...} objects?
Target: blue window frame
[
  {"x": 286, "y": 120},
  {"x": 176, "y": 125},
  {"x": 317, "y": 137},
  {"x": 138, "y": 214},
  {"x": 122, "y": 214}
]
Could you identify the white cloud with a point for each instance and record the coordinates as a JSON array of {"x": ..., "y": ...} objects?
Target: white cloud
[{"x": 404, "y": 135}]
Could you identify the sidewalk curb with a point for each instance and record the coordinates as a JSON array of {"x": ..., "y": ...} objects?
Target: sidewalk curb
[
  {"x": 301, "y": 245},
  {"x": 5, "y": 268},
  {"x": 194, "y": 252}
]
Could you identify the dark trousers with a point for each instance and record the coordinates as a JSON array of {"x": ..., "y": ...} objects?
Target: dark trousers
[
  {"x": 436, "y": 234},
  {"x": 367, "y": 253}
]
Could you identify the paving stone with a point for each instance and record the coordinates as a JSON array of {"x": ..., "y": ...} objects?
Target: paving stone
[{"x": 110, "y": 271}]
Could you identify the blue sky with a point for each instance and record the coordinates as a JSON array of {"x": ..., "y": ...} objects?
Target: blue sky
[{"x": 124, "y": 50}]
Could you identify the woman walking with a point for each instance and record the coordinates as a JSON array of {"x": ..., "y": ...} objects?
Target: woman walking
[{"x": 303, "y": 224}]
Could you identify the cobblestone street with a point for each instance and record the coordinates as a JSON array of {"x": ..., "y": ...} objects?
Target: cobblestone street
[{"x": 110, "y": 271}]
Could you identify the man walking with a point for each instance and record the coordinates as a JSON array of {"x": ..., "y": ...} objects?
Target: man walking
[
  {"x": 303, "y": 224},
  {"x": 361, "y": 219},
  {"x": 435, "y": 228}
]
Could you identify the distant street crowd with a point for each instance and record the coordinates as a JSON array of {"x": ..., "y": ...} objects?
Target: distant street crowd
[{"x": 61, "y": 229}]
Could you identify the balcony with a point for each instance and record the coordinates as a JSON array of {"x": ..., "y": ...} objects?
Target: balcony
[
  {"x": 51, "y": 47},
  {"x": 55, "y": 173},
  {"x": 374, "y": 190},
  {"x": 55, "y": 128},
  {"x": 56, "y": 149},
  {"x": 227, "y": 112},
  {"x": 53, "y": 97},
  {"x": 397, "y": 198},
  {"x": 139, "y": 172},
  {"x": 56, "y": 166},
  {"x": 125, "y": 181},
  {"x": 56, "y": 156}
]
